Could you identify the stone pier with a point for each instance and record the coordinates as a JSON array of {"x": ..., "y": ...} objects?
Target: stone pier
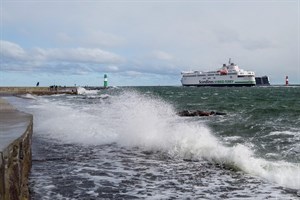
[
  {"x": 37, "y": 90},
  {"x": 15, "y": 152}
]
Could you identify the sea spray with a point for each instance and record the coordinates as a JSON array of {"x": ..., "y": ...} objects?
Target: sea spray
[
  {"x": 132, "y": 119},
  {"x": 82, "y": 91}
]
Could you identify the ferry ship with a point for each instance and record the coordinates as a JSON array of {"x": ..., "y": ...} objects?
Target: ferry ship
[{"x": 228, "y": 75}]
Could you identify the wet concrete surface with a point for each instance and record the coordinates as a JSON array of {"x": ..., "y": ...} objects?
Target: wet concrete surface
[{"x": 13, "y": 124}]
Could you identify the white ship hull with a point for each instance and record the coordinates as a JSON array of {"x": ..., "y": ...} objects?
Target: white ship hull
[
  {"x": 225, "y": 80},
  {"x": 229, "y": 75}
]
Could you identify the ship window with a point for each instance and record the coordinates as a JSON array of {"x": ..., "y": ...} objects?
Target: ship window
[
  {"x": 245, "y": 75},
  {"x": 230, "y": 76},
  {"x": 190, "y": 75}
]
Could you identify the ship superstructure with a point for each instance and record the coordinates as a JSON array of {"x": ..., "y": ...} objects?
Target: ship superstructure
[{"x": 228, "y": 75}]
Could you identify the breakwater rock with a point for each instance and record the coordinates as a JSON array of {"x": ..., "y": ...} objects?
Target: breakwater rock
[
  {"x": 187, "y": 113},
  {"x": 15, "y": 152}
]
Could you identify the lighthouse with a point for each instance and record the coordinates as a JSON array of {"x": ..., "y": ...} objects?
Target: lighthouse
[
  {"x": 286, "y": 80},
  {"x": 105, "y": 81}
]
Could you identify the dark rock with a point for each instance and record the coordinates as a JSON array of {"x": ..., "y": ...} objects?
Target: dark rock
[
  {"x": 184, "y": 113},
  {"x": 187, "y": 113},
  {"x": 202, "y": 113},
  {"x": 220, "y": 113}
]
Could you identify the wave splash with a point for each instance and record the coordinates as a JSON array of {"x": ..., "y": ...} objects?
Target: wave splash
[{"x": 134, "y": 119}]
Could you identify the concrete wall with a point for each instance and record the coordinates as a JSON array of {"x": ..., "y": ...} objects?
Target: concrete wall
[
  {"x": 15, "y": 152},
  {"x": 37, "y": 90}
]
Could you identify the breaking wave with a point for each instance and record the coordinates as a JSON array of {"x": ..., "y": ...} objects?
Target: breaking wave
[{"x": 134, "y": 119}]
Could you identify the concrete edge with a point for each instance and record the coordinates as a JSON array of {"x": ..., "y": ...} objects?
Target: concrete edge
[{"x": 15, "y": 158}]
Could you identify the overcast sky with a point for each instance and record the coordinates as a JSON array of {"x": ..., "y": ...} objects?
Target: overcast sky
[{"x": 145, "y": 42}]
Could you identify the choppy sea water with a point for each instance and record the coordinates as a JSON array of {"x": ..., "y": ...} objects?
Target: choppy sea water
[{"x": 129, "y": 143}]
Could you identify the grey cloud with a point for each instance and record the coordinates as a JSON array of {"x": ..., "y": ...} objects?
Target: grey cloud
[
  {"x": 162, "y": 55},
  {"x": 11, "y": 50},
  {"x": 81, "y": 60},
  {"x": 91, "y": 38},
  {"x": 103, "y": 39},
  {"x": 229, "y": 36},
  {"x": 154, "y": 37},
  {"x": 82, "y": 55},
  {"x": 257, "y": 44},
  {"x": 226, "y": 35}
]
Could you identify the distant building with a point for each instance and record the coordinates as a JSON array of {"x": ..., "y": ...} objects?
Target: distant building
[{"x": 262, "y": 81}]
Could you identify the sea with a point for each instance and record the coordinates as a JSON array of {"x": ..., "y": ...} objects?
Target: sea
[{"x": 130, "y": 143}]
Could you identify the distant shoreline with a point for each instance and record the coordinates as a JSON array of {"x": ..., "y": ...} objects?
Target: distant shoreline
[
  {"x": 282, "y": 85},
  {"x": 13, "y": 90}
]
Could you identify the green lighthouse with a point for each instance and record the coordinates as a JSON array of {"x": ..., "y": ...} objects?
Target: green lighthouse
[{"x": 105, "y": 80}]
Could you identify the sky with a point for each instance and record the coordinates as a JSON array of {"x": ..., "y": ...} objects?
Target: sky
[{"x": 139, "y": 43}]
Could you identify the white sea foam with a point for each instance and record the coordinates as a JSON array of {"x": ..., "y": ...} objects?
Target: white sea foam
[
  {"x": 81, "y": 90},
  {"x": 232, "y": 138},
  {"x": 284, "y": 133},
  {"x": 132, "y": 119},
  {"x": 28, "y": 96},
  {"x": 71, "y": 125}
]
